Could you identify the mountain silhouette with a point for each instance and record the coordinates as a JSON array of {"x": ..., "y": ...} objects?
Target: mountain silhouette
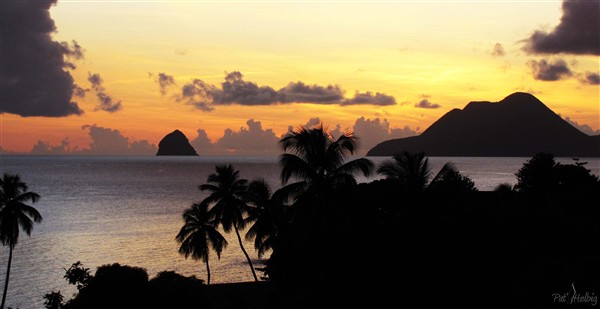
[
  {"x": 175, "y": 144},
  {"x": 518, "y": 126}
]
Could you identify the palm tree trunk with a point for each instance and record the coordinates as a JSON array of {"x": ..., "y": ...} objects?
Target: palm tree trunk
[
  {"x": 245, "y": 253},
  {"x": 7, "y": 276},
  {"x": 207, "y": 272}
]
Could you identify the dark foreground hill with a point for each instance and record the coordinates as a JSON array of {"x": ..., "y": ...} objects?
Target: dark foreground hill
[
  {"x": 175, "y": 144},
  {"x": 518, "y": 126}
]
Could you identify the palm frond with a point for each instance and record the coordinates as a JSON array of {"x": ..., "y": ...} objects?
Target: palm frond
[{"x": 294, "y": 166}]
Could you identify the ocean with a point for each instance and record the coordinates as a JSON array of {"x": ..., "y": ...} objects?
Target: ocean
[{"x": 127, "y": 210}]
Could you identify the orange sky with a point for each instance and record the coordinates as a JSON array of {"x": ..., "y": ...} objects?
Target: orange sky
[{"x": 448, "y": 53}]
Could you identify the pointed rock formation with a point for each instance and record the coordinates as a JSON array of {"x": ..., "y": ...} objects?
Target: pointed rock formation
[
  {"x": 518, "y": 126},
  {"x": 175, "y": 144}
]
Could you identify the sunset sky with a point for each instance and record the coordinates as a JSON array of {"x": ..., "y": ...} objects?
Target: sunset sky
[{"x": 234, "y": 75}]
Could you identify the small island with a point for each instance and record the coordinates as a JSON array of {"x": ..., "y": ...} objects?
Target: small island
[{"x": 175, "y": 144}]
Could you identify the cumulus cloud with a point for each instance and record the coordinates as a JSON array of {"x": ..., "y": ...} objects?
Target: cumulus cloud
[
  {"x": 577, "y": 33},
  {"x": 425, "y": 103},
  {"x": 106, "y": 102},
  {"x": 236, "y": 90},
  {"x": 590, "y": 78},
  {"x": 582, "y": 127},
  {"x": 374, "y": 131},
  {"x": 252, "y": 140},
  {"x": 34, "y": 80},
  {"x": 44, "y": 148},
  {"x": 369, "y": 98},
  {"x": 201, "y": 142},
  {"x": 498, "y": 50},
  {"x": 104, "y": 141},
  {"x": 164, "y": 81},
  {"x": 549, "y": 71},
  {"x": 301, "y": 92}
]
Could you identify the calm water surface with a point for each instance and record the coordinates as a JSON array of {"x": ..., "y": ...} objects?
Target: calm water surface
[{"x": 127, "y": 210}]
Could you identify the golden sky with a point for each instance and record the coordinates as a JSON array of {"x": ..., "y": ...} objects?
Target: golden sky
[{"x": 446, "y": 53}]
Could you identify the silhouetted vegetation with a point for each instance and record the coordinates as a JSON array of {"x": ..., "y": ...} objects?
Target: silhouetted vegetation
[
  {"x": 120, "y": 286},
  {"x": 404, "y": 239},
  {"x": 14, "y": 216},
  {"x": 199, "y": 235}
]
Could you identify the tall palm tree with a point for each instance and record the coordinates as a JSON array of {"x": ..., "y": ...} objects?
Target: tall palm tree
[
  {"x": 265, "y": 212},
  {"x": 15, "y": 215},
  {"x": 199, "y": 235},
  {"x": 228, "y": 207},
  {"x": 315, "y": 159}
]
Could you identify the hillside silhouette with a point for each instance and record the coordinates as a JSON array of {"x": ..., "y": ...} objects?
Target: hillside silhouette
[
  {"x": 519, "y": 125},
  {"x": 175, "y": 144}
]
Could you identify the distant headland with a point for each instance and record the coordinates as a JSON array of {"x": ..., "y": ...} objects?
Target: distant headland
[
  {"x": 518, "y": 126},
  {"x": 175, "y": 144}
]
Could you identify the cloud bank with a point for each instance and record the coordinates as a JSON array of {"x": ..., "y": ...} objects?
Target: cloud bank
[
  {"x": 254, "y": 140},
  {"x": 34, "y": 80},
  {"x": 577, "y": 33},
  {"x": 236, "y": 90},
  {"x": 104, "y": 141}
]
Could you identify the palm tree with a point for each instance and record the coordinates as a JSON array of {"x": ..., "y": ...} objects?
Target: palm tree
[
  {"x": 199, "y": 234},
  {"x": 266, "y": 213},
  {"x": 317, "y": 160},
  {"x": 411, "y": 170},
  {"x": 226, "y": 197},
  {"x": 15, "y": 215}
]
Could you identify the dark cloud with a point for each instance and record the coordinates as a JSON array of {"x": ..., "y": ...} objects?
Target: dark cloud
[
  {"x": 590, "y": 78},
  {"x": 301, "y": 92},
  {"x": 79, "y": 92},
  {"x": 106, "y": 102},
  {"x": 369, "y": 98},
  {"x": 235, "y": 90},
  {"x": 164, "y": 81},
  {"x": 425, "y": 103},
  {"x": 577, "y": 33},
  {"x": 582, "y": 127},
  {"x": 34, "y": 80},
  {"x": 498, "y": 50},
  {"x": 549, "y": 71}
]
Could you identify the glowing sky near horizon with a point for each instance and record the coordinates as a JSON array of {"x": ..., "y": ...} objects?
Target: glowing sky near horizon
[{"x": 445, "y": 52}]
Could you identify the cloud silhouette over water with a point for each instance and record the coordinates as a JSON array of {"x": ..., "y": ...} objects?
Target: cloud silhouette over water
[
  {"x": 236, "y": 90},
  {"x": 34, "y": 76},
  {"x": 577, "y": 33}
]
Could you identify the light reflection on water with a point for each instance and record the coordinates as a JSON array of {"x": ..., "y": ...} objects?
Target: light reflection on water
[{"x": 127, "y": 210}]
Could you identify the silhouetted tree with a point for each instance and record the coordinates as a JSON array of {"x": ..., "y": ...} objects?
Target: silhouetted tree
[
  {"x": 15, "y": 215},
  {"x": 226, "y": 197},
  {"x": 114, "y": 286},
  {"x": 538, "y": 174},
  {"x": 199, "y": 235},
  {"x": 411, "y": 170},
  {"x": 449, "y": 180},
  {"x": 78, "y": 275},
  {"x": 53, "y": 300},
  {"x": 265, "y": 213},
  {"x": 319, "y": 161}
]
